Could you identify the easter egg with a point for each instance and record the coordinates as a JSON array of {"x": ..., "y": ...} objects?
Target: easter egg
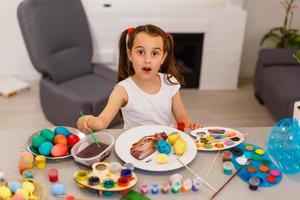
[
  {"x": 163, "y": 147},
  {"x": 179, "y": 146},
  {"x": 60, "y": 139},
  {"x": 18, "y": 197},
  {"x": 161, "y": 158},
  {"x": 26, "y": 185},
  {"x": 59, "y": 150},
  {"x": 62, "y": 130},
  {"x": 45, "y": 148},
  {"x": 172, "y": 137},
  {"x": 23, "y": 192},
  {"x": 14, "y": 185},
  {"x": 5, "y": 193},
  {"x": 37, "y": 140},
  {"x": 72, "y": 140},
  {"x": 58, "y": 189},
  {"x": 47, "y": 134},
  {"x": 33, "y": 149}
]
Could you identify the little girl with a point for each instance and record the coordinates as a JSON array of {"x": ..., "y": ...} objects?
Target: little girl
[{"x": 148, "y": 88}]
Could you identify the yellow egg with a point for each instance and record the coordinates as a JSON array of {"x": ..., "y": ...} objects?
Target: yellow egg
[
  {"x": 26, "y": 185},
  {"x": 172, "y": 137},
  {"x": 179, "y": 146},
  {"x": 5, "y": 192},
  {"x": 162, "y": 158}
]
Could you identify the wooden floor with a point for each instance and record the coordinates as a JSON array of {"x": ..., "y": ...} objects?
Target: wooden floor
[{"x": 229, "y": 108}]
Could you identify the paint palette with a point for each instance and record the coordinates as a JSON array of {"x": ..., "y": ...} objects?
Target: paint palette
[
  {"x": 216, "y": 138},
  {"x": 260, "y": 165},
  {"x": 110, "y": 177}
]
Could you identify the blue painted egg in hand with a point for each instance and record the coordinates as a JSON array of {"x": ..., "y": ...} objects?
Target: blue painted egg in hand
[
  {"x": 163, "y": 147},
  {"x": 283, "y": 145},
  {"x": 62, "y": 130},
  {"x": 45, "y": 148}
]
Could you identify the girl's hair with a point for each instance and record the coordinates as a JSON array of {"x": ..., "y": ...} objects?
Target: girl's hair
[{"x": 125, "y": 68}]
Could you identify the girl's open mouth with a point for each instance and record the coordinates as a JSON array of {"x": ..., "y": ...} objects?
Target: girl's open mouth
[{"x": 147, "y": 69}]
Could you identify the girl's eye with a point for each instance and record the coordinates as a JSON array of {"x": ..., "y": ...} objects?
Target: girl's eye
[
  {"x": 155, "y": 53},
  {"x": 140, "y": 52}
]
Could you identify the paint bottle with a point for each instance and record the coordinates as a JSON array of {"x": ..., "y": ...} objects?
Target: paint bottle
[
  {"x": 254, "y": 183},
  {"x": 53, "y": 175},
  {"x": 40, "y": 162},
  {"x": 154, "y": 189},
  {"x": 227, "y": 155},
  {"x": 144, "y": 188},
  {"x": 228, "y": 167},
  {"x": 180, "y": 126},
  {"x": 197, "y": 182}
]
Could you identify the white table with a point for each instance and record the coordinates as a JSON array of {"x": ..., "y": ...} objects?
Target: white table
[{"x": 13, "y": 141}]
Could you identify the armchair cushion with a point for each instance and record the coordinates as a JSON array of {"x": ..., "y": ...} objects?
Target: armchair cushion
[
  {"x": 62, "y": 103},
  {"x": 67, "y": 64}
]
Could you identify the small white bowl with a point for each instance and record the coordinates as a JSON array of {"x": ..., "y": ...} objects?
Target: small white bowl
[{"x": 103, "y": 137}]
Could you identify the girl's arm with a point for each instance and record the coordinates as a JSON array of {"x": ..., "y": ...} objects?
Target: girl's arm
[
  {"x": 116, "y": 100},
  {"x": 180, "y": 113}
]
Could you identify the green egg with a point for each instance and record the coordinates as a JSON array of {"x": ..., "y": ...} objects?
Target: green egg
[
  {"x": 33, "y": 150},
  {"x": 37, "y": 140},
  {"x": 47, "y": 134}
]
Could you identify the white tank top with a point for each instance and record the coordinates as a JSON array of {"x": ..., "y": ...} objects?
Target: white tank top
[{"x": 146, "y": 109}]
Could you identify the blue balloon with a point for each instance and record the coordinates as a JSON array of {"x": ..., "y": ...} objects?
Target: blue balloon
[{"x": 283, "y": 145}]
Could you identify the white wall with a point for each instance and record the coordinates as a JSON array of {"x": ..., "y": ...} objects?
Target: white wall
[
  {"x": 14, "y": 59},
  {"x": 262, "y": 15}
]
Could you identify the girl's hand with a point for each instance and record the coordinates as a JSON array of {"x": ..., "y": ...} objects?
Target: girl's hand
[
  {"x": 84, "y": 124},
  {"x": 194, "y": 125}
]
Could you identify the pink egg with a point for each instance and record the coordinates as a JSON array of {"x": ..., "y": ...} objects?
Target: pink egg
[{"x": 59, "y": 150}]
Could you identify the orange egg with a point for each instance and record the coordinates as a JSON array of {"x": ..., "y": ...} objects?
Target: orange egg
[
  {"x": 60, "y": 139},
  {"x": 59, "y": 150}
]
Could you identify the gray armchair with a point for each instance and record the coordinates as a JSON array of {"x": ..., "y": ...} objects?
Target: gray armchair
[
  {"x": 277, "y": 81},
  {"x": 58, "y": 41}
]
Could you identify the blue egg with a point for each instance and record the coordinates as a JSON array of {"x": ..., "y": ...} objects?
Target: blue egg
[
  {"x": 62, "y": 130},
  {"x": 45, "y": 148},
  {"x": 58, "y": 189},
  {"x": 163, "y": 147},
  {"x": 14, "y": 185}
]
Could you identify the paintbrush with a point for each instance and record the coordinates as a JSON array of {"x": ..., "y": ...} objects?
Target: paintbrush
[
  {"x": 225, "y": 138},
  {"x": 234, "y": 175},
  {"x": 92, "y": 133}
]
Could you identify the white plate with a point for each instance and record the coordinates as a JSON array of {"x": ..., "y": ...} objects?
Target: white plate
[
  {"x": 129, "y": 137},
  {"x": 71, "y": 129},
  {"x": 204, "y": 132}
]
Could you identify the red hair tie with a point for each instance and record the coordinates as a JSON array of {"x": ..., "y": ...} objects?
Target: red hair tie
[{"x": 130, "y": 30}]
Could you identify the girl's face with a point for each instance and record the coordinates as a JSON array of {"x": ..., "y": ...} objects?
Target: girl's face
[{"x": 146, "y": 55}]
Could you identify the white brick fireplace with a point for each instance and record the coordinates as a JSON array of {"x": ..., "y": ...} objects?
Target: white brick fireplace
[{"x": 221, "y": 21}]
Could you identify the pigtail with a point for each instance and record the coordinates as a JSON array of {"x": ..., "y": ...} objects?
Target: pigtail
[
  {"x": 169, "y": 66},
  {"x": 124, "y": 67}
]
